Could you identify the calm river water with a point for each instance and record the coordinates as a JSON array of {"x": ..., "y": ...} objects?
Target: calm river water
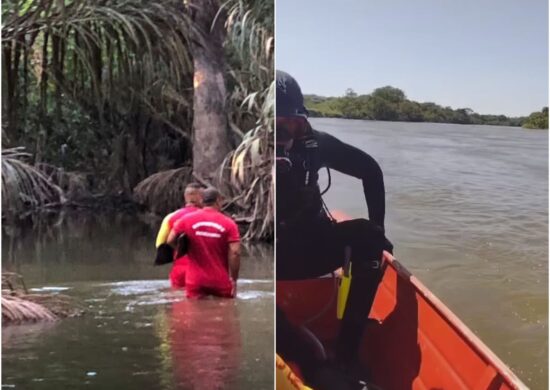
[
  {"x": 467, "y": 211},
  {"x": 137, "y": 332}
]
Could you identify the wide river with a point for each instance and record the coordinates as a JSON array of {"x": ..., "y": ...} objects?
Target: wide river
[
  {"x": 136, "y": 333},
  {"x": 467, "y": 211}
]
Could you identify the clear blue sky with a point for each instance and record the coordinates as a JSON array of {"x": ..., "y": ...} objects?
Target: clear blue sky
[{"x": 487, "y": 55}]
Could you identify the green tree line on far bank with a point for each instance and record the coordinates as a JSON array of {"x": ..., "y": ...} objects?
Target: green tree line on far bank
[
  {"x": 391, "y": 104},
  {"x": 537, "y": 120}
]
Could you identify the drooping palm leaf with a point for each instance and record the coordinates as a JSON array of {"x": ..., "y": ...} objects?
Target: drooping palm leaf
[
  {"x": 18, "y": 306},
  {"x": 18, "y": 310},
  {"x": 247, "y": 175},
  {"x": 24, "y": 186},
  {"x": 163, "y": 191}
]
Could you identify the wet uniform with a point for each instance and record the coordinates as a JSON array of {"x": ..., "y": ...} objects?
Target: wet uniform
[
  {"x": 209, "y": 234},
  {"x": 177, "y": 274}
]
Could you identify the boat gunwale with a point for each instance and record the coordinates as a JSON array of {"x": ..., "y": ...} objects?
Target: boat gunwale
[{"x": 456, "y": 323}]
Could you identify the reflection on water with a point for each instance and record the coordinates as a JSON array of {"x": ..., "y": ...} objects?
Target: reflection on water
[
  {"x": 467, "y": 211},
  {"x": 137, "y": 332},
  {"x": 205, "y": 342},
  {"x": 90, "y": 247}
]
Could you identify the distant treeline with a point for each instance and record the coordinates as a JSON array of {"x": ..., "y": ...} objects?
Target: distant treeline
[
  {"x": 537, "y": 120},
  {"x": 391, "y": 104}
]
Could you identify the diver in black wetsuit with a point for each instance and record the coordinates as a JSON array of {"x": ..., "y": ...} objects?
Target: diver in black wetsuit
[{"x": 309, "y": 242}]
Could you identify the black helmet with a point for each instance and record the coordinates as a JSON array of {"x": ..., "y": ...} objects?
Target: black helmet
[{"x": 289, "y": 100}]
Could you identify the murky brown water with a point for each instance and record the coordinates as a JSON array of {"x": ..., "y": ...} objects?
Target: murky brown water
[
  {"x": 467, "y": 211},
  {"x": 137, "y": 332}
]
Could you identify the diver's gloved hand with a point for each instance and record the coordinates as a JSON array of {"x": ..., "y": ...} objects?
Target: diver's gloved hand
[{"x": 379, "y": 231}]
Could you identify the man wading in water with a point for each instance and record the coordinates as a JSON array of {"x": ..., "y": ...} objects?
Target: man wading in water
[
  {"x": 213, "y": 249},
  {"x": 193, "y": 201},
  {"x": 309, "y": 242}
]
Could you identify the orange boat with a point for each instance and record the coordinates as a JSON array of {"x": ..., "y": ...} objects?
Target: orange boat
[{"x": 418, "y": 344}]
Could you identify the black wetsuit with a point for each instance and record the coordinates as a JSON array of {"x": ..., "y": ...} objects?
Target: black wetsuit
[{"x": 310, "y": 244}]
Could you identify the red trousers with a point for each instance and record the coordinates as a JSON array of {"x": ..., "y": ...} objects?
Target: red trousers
[
  {"x": 177, "y": 275},
  {"x": 192, "y": 291}
]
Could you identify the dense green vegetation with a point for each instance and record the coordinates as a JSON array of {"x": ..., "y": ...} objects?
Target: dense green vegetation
[
  {"x": 102, "y": 95},
  {"x": 391, "y": 104},
  {"x": 537, "y": 120}
]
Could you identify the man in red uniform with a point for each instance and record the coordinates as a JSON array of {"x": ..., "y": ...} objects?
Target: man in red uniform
[
  {"x": 193, "y": 202},
  {"x": 213, "y": 249}
]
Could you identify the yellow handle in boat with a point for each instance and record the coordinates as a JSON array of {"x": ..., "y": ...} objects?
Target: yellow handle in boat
[
  {"x": 285, "y": 377},
  {"x": 343, "y": 292},
  {"x": 345, "y": 283}
]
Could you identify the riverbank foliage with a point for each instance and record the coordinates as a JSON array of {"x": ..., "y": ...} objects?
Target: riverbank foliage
[
  {"x": 391, "y": 104},
  {"x": 537, "y": 120},
  {"x": 103, "y": 91},
  {"x": 20, "y": 306},
  {"x": 24, "y": 185}
]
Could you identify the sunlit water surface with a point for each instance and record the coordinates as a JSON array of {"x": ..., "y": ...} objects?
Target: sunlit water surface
[{"x": 467, "y": 211}]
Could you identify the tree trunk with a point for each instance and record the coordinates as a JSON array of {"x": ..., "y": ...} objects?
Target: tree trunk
[
  {"x": 10, "y": 75},
  {"x": 43, "y": 134},
  {"x": 57, "y": 66},
  {"x": 211, "y": 141}
]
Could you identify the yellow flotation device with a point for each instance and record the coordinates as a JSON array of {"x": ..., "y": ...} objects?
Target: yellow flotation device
[
  {"x": 164, "y": 231},
  {"x": 285, "y": 378}
]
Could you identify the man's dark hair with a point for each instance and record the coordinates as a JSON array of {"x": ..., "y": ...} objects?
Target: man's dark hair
[
  {"x": 210, "y": 195},
  {"x": 192, "y": 189}
]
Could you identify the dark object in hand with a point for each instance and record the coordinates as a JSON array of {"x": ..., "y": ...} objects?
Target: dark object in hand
[
  {"x": 182, "y": 244},
  {"x": 165, "y": 254}
]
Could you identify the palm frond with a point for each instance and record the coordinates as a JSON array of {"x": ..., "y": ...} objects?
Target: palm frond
[
  {"x": 18, "y": 306},
  {"x": 24, "y": 186},
  {"x": 123, "y": 55},
  {"x": 247, "y": 177},
  {"x": 162, "y": 192},
  {"x": 18, "y": 310}
]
